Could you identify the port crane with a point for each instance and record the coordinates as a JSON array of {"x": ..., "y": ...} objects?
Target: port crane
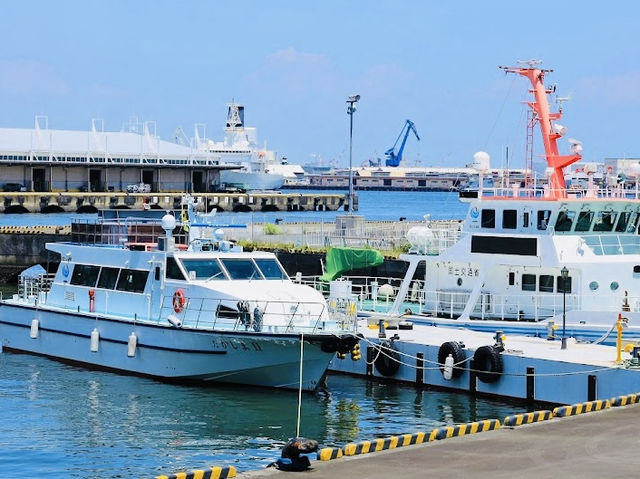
[{"x": 392, "y": 158}]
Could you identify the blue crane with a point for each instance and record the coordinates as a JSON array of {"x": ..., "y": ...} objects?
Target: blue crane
[{"x": 393, "y": 158}]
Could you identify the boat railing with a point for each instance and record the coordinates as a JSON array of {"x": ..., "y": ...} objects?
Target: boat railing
[
  {"x": 371, "y": 296},
  {"x": 544, "y": 192},
  {"x": 35, "y": 288},
  {"x": 121, "y": 232},
  {"x": 259, "y": 315},
  {"x": 361, "y": 288}
]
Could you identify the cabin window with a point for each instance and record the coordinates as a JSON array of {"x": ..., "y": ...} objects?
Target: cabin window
[
  {"x": 271, "y": 269},
  {"x": 207, "y": 269},
  {"x": 623, "y": 221},
  {"x": 604, "y": 221},
  {"x": 132, "y": 280},
  {"x": 584, "y": 220},
  {"x": 546, "y": 283},
  {"x": 85, "y": 275},
  {"x": 241, "y": 269},
  {"x": 564, "y": 284},
  {"x": 512, "y": 278},
  {"x": 636, "y": 269},
  {"x": 565, "y": 220},
  {"x": 509, "y": 219},
  {"x": 525, "y": 219},
  {"x": 614, "y": 285},
  {"x": 543, "y": 219},
  {"x": 108, "y": 277},
  {"x": 488, "y": 218},
  {"x": 172, "y": 270},
  {"x": 633, "y": 224},
  {"x": 528, "y": 282}
]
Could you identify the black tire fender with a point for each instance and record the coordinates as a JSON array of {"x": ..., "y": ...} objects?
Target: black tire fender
[
  {"x": 455, "y": 349},
  {"x": 387, "y": 360},
  {"x": 487, "y": 362}
]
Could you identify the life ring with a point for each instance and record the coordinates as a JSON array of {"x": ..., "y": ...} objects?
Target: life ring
[
  {"x": 454, "y": 349},
  {"x": 179, "y": 300},
  {"x": 487, "y": 361},
  {"x": 387, "y": 361}
]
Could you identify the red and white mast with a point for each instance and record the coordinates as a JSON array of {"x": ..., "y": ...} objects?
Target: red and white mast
[{"x": 550, "y": 131}]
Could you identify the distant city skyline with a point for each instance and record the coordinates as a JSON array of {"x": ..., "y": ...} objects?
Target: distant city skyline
[{"x": 294, "y": 64}]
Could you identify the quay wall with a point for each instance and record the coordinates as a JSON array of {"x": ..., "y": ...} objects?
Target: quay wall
[{"x": 91, "y": 202}]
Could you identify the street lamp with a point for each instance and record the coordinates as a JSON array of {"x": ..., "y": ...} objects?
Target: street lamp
[
  {"x": 350, "y": 110},
  {"x": 564, "y": 272}
]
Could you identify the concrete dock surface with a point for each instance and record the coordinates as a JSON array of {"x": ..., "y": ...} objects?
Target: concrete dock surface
[{"x": 597, "y": 444}]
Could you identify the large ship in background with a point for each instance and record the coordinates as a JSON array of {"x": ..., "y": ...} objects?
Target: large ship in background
[{"x": 260, "y": 170}]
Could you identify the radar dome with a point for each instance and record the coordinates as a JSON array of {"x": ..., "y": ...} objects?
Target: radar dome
[
  {"x": 168, "y": 222},
  {"x": 481, "y": 161},
  {"x": 634, "y": 170}
]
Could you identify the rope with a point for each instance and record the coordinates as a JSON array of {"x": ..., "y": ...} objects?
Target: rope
[{"x": 381, "y": 350}]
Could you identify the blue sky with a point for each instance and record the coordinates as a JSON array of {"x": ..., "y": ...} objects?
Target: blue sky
[{"x": 293, "y": 64}]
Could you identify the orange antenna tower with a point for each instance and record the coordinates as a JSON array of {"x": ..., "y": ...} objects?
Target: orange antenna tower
[{"x": 551, "y": 130}]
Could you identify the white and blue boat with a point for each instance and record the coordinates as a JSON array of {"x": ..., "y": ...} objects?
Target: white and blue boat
[
  {"x": 127, "y": 298},
  {"x": 548, "y": 261}
]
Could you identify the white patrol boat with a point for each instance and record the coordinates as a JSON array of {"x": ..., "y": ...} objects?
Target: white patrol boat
[
  {"x": 539, "y": 258},
  {"x": 127, "y": 298}
]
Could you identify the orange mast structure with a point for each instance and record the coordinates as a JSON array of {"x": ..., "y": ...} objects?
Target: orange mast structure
[{"x": 550, "y": 131}]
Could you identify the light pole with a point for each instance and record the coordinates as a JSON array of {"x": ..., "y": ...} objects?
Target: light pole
[
  {"x": 350, "y": 110},
  {"x": 564, "y": 272}
]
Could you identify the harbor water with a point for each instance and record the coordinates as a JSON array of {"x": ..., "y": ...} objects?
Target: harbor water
[
  {"x": 63, "y": 421},
  {"x": 59, "y": 420},
  {"x": 373, "y": 205}
]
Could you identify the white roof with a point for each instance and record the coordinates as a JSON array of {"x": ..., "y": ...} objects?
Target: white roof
[{"x": 70, "y": 142}]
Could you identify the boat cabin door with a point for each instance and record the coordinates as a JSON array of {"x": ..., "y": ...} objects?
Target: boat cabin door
[{"x": 512, "y": 307}]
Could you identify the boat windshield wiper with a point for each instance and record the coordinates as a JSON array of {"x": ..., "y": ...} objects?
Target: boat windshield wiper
[{"x": 218, "y": 274}]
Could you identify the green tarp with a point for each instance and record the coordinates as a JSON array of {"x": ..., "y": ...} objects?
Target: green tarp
[{"x": 339, "y": 260}]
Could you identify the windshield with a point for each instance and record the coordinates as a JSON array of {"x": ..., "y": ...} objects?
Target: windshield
[
  {"x": 241, "y": 269},
  {"x": 271, "y": 269},
  {"x": 207, "y": 269}
]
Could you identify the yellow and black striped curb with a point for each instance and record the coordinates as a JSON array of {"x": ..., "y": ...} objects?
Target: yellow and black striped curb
[
  {"x": 213, "y": 473},
  {"x": 329, "y": 453},
  {"x": 528, "y": 418},
  {"x": 34, "y": 230},
  {"x": 382, "y": 444},
  {"x": 624, "y": 400},
  {"x": 574, "y": 409},
  {"x": 464, "y": 429}
]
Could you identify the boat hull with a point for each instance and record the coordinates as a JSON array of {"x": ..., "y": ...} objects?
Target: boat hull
[
  {"x": 258, "y": 359},
  {"x": 252, "y": 181}
]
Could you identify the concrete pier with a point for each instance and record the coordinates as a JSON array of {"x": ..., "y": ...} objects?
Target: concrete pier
[
  {"x": 56, "y": 202},
  {"x": 527, "y": 368},
  {"x": 599, "y": 444}
]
